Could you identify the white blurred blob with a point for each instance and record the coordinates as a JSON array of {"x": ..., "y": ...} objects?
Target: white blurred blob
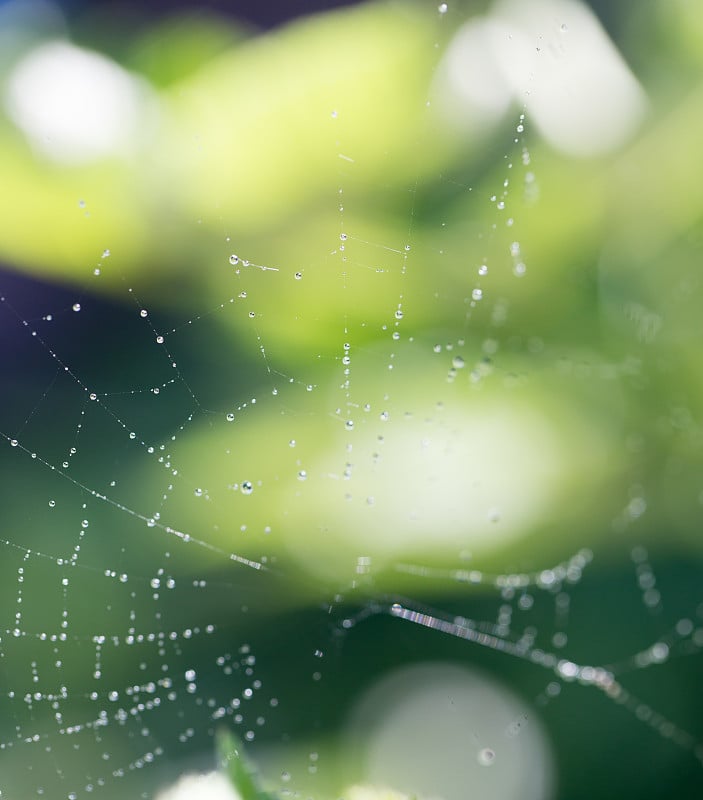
[
  {"x": 75, "y": 105},
  {"x": 477, "y": 478},
  {"x": 554, "y": 58},
  {"x": 210, "y": 786},
  {"x": 427, "y": 729},
  {"x": 363, "y": 792},
  {"x": 479, "y": 92}
]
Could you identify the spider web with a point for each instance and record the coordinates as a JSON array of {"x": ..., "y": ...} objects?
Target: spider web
[{"x": 215, "y": 507}]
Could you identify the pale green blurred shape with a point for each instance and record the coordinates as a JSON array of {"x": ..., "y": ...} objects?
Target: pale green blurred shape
[{"x": 248, "y": 157}]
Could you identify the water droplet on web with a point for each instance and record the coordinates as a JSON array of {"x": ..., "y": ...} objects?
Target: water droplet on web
[
  {"x": 486, "y": 757},
  {"x": 159, "y": 340},
  {"x": 477, "y": 294},
  {"x": 343, "y": 237},
  {"x": 247, "y": 487},
  {"x": 519, "y": 269},
  {"x": 198, "y": 492},
  {"x": 252, "y": 314},
  {"x": 442, "y": 8},
  {"x": 298, "y": 275},
  {"x": 52, "y": 503},
  {"x": 349, "y": 424},
  {"x": 76, "y": 306},
  {"x": 234, "y": 259},
  {"x": 483, "y": 270},
  {"x": 458, "y": 362},
  {"x": 155, "y": 583},
  {"x": 399, "y": 314},
  {"x": 302, "y": 475},
  {"x": 143, "y": 313},
  {"x": 564, "y": 27},
  {"x": 13, "y": 442},
  {"x": 230, "y": 417}
]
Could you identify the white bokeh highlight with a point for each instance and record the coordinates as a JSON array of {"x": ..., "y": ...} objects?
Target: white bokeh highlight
[
  {"x": 208, "y": 786},
  {"x": 436, "y": 730},
  {"x": 553, "y": 58},
  {"x": 76, "y": 106}
]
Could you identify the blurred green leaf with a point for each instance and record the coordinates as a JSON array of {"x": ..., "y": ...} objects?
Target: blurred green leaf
[{"x": 240, "y": 770}]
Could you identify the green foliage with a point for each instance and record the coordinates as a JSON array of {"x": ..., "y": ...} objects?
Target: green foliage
[{"x": 234, "y": 762}]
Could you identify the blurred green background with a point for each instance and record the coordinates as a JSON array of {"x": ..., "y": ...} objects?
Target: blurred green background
[{"x": 399, "y": 283}]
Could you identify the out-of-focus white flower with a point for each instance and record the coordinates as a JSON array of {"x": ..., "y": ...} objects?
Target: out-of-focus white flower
[
  {"x": 77, "y": 106},
  {"x": 551, "y": 57},
  {"x": 209, "y": 786}
]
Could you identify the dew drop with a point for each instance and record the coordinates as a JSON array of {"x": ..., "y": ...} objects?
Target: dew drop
[
  {"x": 483, "y": 270},
  {"x": 247, "y": 487},
  {"x": 458, "y": 362},
  {"x": 477, "y": 294},
  {"x": 230, "y": 417},
  {"x": 486, "y": 757},
  {"x": 298, "y": 275},
  {"x": 76, "y": 306},
  {"x": 399, "y": 314},
  {"x": 442, "y": 8},
  {"x": 233, "y": 259}
]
